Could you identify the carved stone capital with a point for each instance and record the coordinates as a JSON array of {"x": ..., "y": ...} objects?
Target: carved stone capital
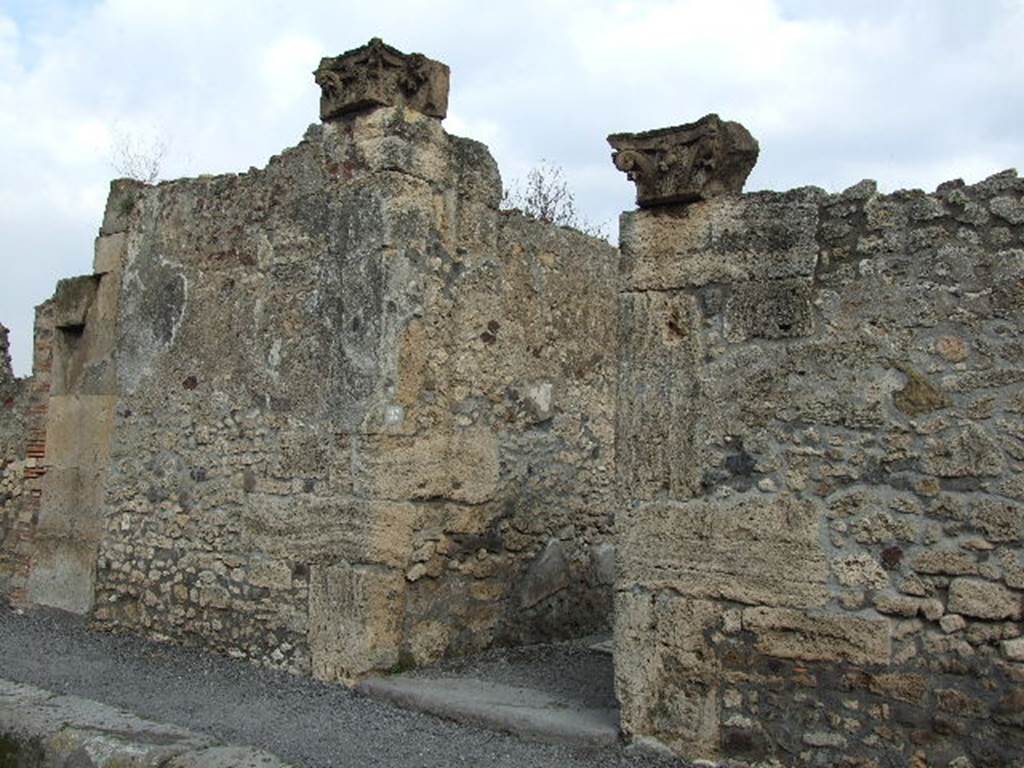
[
  {"x": 686, "y": 163},
  {"x": 378, "y": 75}
]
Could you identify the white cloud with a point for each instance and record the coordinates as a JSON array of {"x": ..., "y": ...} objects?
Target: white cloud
[{"x": 909, "y": 91}]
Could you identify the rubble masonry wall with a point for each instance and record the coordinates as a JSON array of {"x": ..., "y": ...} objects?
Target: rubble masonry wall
[
  {"x": 820, "y": 444},
  {"x": 365, "y": 419}
]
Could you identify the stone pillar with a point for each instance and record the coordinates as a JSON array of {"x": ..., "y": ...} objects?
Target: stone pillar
[{"x": 79, "y": 418}]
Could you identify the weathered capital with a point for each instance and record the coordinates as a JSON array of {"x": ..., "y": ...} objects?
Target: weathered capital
[
  {"x": 686, "y": 163},
  {"x": 378, "y": 75}
]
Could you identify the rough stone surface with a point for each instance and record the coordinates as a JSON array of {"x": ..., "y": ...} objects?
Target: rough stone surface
[
  {"x": 686, "y": 163},
  {"x": 14, "y": 463},
  {"x": 329, "y": 415},
  {"x": 984, "y": 600},
  {"x": 819, "y": 456},
  {"x": 39, "y": 728},
  {"x": 377, "y": 75},
  {"x": 326, "y": 457}
]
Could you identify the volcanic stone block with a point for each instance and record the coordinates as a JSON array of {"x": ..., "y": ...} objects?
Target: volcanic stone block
[
  {"x": 63, "y": 574},
  {"x": 748, "y": 549},
  {"x": 378, "y": 75},
  {"x": 656, "y": 406},
  {"x": 983, "y": 600},
  {"x": 770, "y": 310},
  {"x": 73, "y": 298},
  {"x": 109, "y": 252},
  {"x": 789, "y": 634},
  {"x": 686, "y": 163},
  {"x": 461, "y": 466},
  {"x": 666, "y": 669},
  {"x": 727, "y": 240},
  {"x": 355, "y": 619}
]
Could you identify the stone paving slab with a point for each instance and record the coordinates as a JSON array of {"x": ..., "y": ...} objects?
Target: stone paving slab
[
  {"x": 523, "y": 711},
  {"x": 559, "y": 693},
  {"x": 40, "y": 728}
]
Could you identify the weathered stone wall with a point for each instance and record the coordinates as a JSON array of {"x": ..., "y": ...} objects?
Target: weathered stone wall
[
  {"x": 17, "y": 546},
  {"x": 13, "y": 418},
  {"x": 365, "y": 419},
  {"x": 820, "y": 442}
]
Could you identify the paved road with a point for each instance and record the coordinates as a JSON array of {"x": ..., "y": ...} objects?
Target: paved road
[{"x": 306, "y": 723}]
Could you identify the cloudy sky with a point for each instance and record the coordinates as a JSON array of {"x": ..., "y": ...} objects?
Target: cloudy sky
[{"x": 909, "y": 92}]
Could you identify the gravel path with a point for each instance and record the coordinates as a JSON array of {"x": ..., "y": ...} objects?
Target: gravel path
[{"x": 304, "y": 722}]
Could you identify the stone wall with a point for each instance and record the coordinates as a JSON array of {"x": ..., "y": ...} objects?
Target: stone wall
[
  {"x": 365, "y": 418},
  {"x": 13, "y": 418},
  {"x": 820, "y": 447}
]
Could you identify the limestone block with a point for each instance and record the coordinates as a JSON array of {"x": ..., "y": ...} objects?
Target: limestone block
[
  {"x": 720, "y": 241},
  {"x": 461, "y": 465},
  {"x": 79, "y": 430},
  {"x": 899, "y": 685},
  {"x": 72, "y": 299},
  {"x": 377, "y": 75},
  {"x": 355, "y": 620},
  {"x": 919, "y": 396},
  {"x": 769, "y": 310},
  {"x": 666, "y": 671},
  {"x": 125, "y": 195},
  {"x": 897, "y": 605},
  {"x": 1013, "y": 569},
  {"x": 952, "y": 622},
  {"x": 660, "y": 350},
  {"x": 538, "y": 397},
  {"x": 983, "y": 600},
  {"x": 110, "y": 252},
  {"x": 398, "y": 139},
  {"x": 311, "y": 530},
  {"x": 791, "y": 634},
  {"x": 755, "y": 550},
  {"x": 63, "y": 574},
  {"x": 824, "y": 739},
  {"x": 685, "y": 163},
  {"x": 269, "y": 573},
  {"x": 72, "y": 503}
]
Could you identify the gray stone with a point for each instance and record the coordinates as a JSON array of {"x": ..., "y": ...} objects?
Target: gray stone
[{"x": 983, "y": 600}]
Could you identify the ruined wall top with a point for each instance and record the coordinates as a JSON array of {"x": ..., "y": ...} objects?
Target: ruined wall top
[
  {"x": 6, "y": 373},
  {"x": 686, "y": 163},
  {"x": 378, "y": 75}
]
